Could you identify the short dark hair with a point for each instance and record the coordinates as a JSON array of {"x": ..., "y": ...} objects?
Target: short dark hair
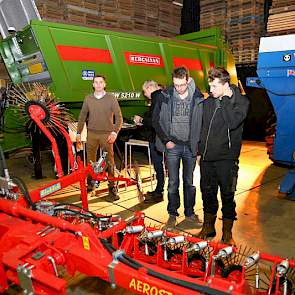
[
  {"x": 220, "y": 73},
  {"x": 180, "y": 73},
  {"x": 99, "y": 76}
]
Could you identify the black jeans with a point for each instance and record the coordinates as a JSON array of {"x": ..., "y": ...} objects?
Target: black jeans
[
  {"x": 157, "y": 159},
  {"x": 223, "y": 174}
]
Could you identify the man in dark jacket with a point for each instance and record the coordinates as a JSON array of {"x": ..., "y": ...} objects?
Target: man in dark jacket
[
  {"x": 223, "y": 116},
  {"x": 177, "y": 119},
  {"x": 152, "y": 91}
]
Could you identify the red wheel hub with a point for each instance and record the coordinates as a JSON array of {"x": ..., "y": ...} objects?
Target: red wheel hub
[{"x": 37, "y": 111}]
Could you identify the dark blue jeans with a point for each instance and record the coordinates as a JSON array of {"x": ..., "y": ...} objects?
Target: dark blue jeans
[
  {"x": 173, "y": 157},
  {"x": 157, "y": 159}
]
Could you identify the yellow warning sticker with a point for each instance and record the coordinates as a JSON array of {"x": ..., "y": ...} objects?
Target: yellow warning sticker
[
  {"x": 86, "y": 243},
  {"x": 36, "y": 68}
]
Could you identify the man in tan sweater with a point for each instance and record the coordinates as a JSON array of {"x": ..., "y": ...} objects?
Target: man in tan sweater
[{"x": 104, "y": 123}]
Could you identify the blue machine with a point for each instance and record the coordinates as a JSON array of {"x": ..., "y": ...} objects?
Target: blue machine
[{"x": 276, "y": 74}]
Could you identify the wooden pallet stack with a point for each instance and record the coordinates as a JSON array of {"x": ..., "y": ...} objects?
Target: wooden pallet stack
[
  {"x": 244, "y": 27},
  {"x": 152, "y": 17},
  {"x": 169, "y": 18},
  {"x": 139, "y": 15},
  {"x": 241, "y": 22},
  {"x": 212, "y": 13},
  {"x": 126, "y": 19},
  {"x": 108, "y": 17},
  {"x": 281, "y": 20},
  {"x": 157, "y": 17},
  {"x": 52, "y": 9}
]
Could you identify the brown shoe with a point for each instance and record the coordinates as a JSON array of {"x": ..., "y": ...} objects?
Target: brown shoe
[
  {"x": 208, "y": 229},
  {"x": 195, "y": 220},
  {"x": 227, "y": 225},
  {"x": 113, "y": 195},
  {"x": 170, "y": 224},
  {"x": 112, "y": 198}
]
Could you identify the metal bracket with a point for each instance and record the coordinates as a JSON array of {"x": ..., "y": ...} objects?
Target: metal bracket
[
  {"x": 25, "y": 278},
  {"x": 112, "y": 266}
]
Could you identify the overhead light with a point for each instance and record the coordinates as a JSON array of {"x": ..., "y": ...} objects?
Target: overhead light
[{"x": 177, "y": 3}]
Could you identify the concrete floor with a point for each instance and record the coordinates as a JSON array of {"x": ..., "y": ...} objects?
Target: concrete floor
[{"x": 265, "y": 220}]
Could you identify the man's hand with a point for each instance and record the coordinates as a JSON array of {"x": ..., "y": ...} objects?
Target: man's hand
[
  {"x": 198, "y": 160},
  {"x": 137, "y": 120},
  {"x": 170, "y": 145},
  {"x": 228, "y": 92},
  {"x": 112, "y": 138}
]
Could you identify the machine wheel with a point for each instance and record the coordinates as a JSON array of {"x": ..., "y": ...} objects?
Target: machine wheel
[
  {"x": 232, "y": 273},
  {"x": 39, "y": 104},
  {"x": 197, "y": 261}
]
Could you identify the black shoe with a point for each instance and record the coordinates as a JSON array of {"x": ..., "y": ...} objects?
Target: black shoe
[
  {"x": 153, "y": 197},
  {"x": 154, "y": 193}
]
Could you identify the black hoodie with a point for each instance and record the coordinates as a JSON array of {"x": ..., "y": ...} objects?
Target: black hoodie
[{"x": 222, "y": 126}]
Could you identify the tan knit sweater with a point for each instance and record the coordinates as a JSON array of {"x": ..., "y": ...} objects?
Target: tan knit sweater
[{"x": 101, "y": 114}]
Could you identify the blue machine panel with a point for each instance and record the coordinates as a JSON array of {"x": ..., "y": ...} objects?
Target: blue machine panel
[{"x": 276, "y": 73}]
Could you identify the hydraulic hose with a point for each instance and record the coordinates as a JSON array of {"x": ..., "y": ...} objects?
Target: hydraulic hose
[
  {"x": 24, "y": 190},
  {"x": 135, "y": 265},
  {"x": 3, "y": 165}
]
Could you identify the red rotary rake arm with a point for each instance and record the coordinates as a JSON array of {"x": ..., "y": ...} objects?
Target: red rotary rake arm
[
  {"x": 37, "y": 120},
  {"x": 37, "y": 114},
  {"x": 69, "y": 146},
  {"x": 79, "y": 175}
]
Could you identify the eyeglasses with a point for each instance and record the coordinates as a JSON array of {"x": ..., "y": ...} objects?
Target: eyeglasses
[{"x": 180, "y": 85}]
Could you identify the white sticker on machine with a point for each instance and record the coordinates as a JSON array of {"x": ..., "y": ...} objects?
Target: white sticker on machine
[{"x": 88, "y": 74}]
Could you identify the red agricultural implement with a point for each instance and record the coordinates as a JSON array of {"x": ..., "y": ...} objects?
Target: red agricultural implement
[{"x": 39, "y": 245}]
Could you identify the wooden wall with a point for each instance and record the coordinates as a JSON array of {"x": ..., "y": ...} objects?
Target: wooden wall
[{"x": 281, "y": 19}]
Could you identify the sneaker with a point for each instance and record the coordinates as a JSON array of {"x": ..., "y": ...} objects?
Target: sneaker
[
  {"x": 153, "y": 197},
  {"x": 171, "y": 222},
  {"x": 194, "y": 218}
]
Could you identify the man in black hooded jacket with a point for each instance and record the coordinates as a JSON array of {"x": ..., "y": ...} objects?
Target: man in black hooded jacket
[{"x": 224, "y": 113}]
